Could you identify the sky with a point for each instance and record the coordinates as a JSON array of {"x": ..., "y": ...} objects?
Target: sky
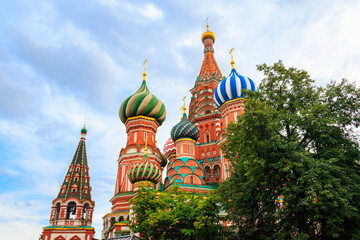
[{"x": 63, "y": 63}]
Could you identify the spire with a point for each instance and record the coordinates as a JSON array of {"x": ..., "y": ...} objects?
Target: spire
[
  {"x": 209, "y": 68},
  {"x": 232, "y": 58},
  {"x": 77, "y": 181}
]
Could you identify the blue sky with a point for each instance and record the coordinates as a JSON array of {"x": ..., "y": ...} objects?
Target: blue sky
[{"x": 64, "y": 61}]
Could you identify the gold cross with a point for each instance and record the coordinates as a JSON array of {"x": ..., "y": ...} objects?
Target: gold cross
[
  {"x": 184, "y": 107},
  {"x": 231, "y": 52},
  {"x": 145, "y": 65}
]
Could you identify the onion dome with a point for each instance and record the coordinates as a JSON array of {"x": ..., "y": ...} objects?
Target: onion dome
[
  {"x": 163, "y": 160},
  {"x": 169, "y": 148},
  {"x": 232, "y": 87},
  {"x": 143, "y": 103},
  {"x": 184, "y": 129},
  {"x": 208, "y": 35},
  {"x": 144, "y": 171},
  {"x": 84, "y": 130}
]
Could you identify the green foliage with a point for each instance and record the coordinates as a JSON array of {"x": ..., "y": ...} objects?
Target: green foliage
[
  {"x": 294, "y": 141},
  {"x": 176, "y": 215}
]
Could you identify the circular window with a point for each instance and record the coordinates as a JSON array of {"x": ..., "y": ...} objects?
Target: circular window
[
  {"x": 208, "y": 153},
  {"x": 203, "y": 154}
]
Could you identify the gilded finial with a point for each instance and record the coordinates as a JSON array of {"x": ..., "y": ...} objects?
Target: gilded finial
[
  {"x": 184, "y": 107},
  {"x": 144, "y": 74},
  {"x": 207, "y": 23},
  {"x": 232, "y": 58},
  {"x": 145, "y": 150}
]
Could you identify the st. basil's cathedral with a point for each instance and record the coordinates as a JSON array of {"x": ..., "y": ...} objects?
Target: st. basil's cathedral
[{"x": 191, "y": 156}]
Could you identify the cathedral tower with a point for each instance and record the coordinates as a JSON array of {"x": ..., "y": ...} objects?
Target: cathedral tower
[
  {"x": 72, "y": 210},
  {"x": 142, "y": 113},
  {"x": 203, "y": 114}
]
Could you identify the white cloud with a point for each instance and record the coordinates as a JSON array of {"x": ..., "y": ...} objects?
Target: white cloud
[
  {"x": 67, "y": 52},
  {"x": 151, "y": 12}
]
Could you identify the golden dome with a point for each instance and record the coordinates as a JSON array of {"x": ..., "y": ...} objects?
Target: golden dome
[{"x": 208, "y": 34}]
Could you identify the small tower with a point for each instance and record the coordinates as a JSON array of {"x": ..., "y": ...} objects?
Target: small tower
[
  {"x": 184, "y": 170},
  {"x": 72, "y": 210},
  {"x": 203, "y": 114},
  {"x": 229, "y": 100},
  {"x": 142, "y": 113}
]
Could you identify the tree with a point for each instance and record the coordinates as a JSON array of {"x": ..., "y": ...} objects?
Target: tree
[
  {"x": 295, "y": 160},
  {"x": 176, "y": 215}
]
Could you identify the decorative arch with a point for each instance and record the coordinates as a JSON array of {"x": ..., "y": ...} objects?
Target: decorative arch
[
  {"x": 192, "y": 179},
  {"x": 198, "y": 172},
  {"x": 171, "y": 172},
  {"x": 59, "y": 238},
  {"x": 178, "y": 163},
  {"x": 75, "y": 238},
  {"x": 176, "y": 177},
  {"x": 192, "y": 163},
  {"x": 185, "y": 170},
  {"x": 131, "y": 150}
]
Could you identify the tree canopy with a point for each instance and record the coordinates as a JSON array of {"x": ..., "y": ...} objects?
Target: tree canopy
[
  {"x": 295, "y": 160},
  {"x": 176, "y": 215}
]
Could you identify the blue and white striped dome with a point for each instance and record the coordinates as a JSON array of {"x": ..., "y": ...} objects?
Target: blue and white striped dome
[{"x": 232, "y": 87}]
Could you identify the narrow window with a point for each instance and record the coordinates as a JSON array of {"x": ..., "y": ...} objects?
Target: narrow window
[
  {"x": 71, "y": 210},
  {"x": 145, "y": 136},
  {"x": 192, "y": 180},
  {"x": 135, "y": 135},
  {"x": 188, "y": 149},
  {"x": 57, "y": 213},
  {"x": 85, "y": 212},
  {"x": 207, "y": 138}
]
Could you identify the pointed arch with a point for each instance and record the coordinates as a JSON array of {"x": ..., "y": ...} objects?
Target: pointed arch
[
  {"x": 75, "y": 238},
  {"x": 59, "y": 238}
]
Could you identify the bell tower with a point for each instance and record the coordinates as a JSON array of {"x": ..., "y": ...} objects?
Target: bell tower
[
  {"x": 72, "y": 210},
  {"x": 204, "y": 115}
]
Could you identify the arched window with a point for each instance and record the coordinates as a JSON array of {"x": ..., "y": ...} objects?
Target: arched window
[
  {"x": 57, "y": 213},
  {"x": 217, "y": 171},
  {"x": 226, "y": 171},
  {"x": 145, "y": 134},
  {"x": 207, "y": 138},
  {"x": 85, "y": 211},
  {"x": 71, "y": 210},
  {"x": 188, "y": 149},
  {"x": 207, "y": 172},
  {"x": 128, "y": 217},
  {"x": 121, "y": 218},
  {"x": 192, "y": 180}
]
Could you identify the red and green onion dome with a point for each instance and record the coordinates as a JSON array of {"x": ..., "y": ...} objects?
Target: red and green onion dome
[
  {"x": 144, "y": 171},
  {"x": 185, "y": 129},
  {"x": 143, "y": 103},
  {"x": 169, "y": 148}
]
